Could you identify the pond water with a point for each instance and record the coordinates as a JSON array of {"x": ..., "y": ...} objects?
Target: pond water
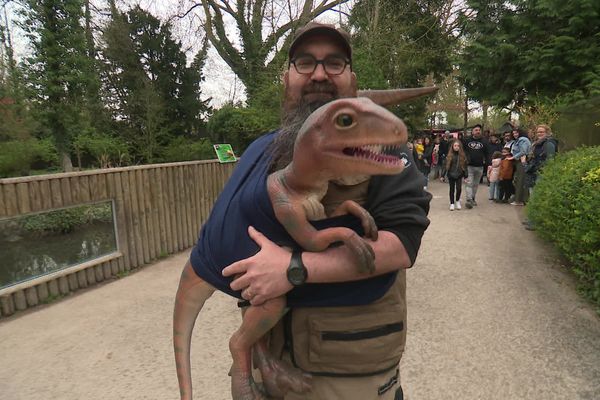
[{"x": 29, "y": 256}]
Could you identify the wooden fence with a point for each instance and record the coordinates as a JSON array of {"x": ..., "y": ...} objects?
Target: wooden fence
[{"x": 158, "y": 211}]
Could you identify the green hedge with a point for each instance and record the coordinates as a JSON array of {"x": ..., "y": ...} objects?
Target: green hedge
[
  {"x": 17, "y": 156},
  {"x": 182, "y": 149},
  {"x": 66, "y": 220},
  {"x": 565, "y": 208}
]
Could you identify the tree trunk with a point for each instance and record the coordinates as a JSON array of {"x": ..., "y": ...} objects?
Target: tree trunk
[
  {"x": 466, "y": 113},
  {"x": 67, "y": 165},
  {"x": 485, "y": 106}
]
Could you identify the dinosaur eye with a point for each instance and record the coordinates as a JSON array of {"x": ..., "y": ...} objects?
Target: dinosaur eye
[{"x": 344, "y": 120}]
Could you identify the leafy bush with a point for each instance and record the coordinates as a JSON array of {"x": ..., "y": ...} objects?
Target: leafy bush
[
  {"x": 239, "y": 126},
  {"x": 107, "y": 151},
  {"x": 66, "y": 220},
  {"x": 565, "y": 207},
  {"x": 182, "y": 149},
  {"x": 17, "y": 156}
]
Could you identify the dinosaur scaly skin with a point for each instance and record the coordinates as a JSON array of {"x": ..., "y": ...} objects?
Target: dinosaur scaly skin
[{"x": 341, "y": 140}]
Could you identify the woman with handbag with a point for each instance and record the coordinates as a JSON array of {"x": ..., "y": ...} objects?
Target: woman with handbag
[{"x": 455, "y": 171}]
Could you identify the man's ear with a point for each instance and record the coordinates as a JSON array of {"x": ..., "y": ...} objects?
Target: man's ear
[{"x": 354, "y": 84}]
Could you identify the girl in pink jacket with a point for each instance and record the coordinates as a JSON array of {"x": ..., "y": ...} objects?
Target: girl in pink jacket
[{"x": 493, "y": 172}]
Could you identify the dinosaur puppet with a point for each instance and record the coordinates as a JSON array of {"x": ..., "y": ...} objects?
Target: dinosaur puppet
[{"x": 344, "y": 138}]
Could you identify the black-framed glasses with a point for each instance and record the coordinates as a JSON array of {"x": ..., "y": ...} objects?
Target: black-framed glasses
[{"x": 306, "y": 64}]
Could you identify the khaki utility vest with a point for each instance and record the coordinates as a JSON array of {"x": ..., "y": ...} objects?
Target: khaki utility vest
[{"x": 346, "y": 341}]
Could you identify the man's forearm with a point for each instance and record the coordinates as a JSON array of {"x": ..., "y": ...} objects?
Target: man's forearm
[
  {"x": 263, "y": 276},
  {"x": 337, "y": 264}
]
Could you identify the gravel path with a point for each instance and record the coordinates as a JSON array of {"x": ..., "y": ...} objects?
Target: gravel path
[{"x": 492, "y": 315}]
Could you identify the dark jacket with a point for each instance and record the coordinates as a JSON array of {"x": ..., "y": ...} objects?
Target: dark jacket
[
  {"x": 476, "y": 151},
  {"x": 444, "y": 144},
  {"x": 453, "y": 169},
  {"x": 543, "y": 150},
  {"x": 491, "y": 148}
]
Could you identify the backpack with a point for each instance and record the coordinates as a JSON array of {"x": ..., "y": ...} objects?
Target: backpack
[{"x": 555, "y": 142}]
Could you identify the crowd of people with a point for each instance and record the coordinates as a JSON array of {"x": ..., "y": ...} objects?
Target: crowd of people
[{"x": 510, "y": 165}]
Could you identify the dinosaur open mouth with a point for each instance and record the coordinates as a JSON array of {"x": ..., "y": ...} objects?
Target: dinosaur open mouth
[{"x": 375, "y": 152}]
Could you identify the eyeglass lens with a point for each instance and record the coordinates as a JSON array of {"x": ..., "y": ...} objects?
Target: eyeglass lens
[{"x": 307, "y": 64}]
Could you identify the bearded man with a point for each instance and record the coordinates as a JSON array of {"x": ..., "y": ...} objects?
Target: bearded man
[{"x": 345, "y": 328}]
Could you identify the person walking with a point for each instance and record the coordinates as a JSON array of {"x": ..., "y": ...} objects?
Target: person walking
[
  {"x": 427, "y": 159},
  {"x": 493, "y": 173},
  {"x": 476, "y": 150},
  {"x": 505, "y": 176},
  {"x": 543, "y": 149},
  {"x": 520, "y": 149},
  {"x": 454, "y": 171},
  {"x": 444, "y": 147},
  {"x": 436, "y": 165}
]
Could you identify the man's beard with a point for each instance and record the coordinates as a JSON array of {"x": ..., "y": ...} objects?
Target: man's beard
[{"x": 295, "y": 112}]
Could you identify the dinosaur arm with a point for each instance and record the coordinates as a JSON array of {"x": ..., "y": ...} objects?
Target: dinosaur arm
[
  {"x": 332, "y": 265},
  {"x": 293, "y": 217}
]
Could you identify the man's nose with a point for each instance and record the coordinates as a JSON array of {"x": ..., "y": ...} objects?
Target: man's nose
[{"x": 319, "y": 74}]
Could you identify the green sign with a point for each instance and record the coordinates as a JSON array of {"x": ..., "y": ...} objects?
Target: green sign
[{"x": 225, "y": 153}]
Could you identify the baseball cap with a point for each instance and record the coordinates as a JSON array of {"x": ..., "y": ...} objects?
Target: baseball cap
[{"x": 313, "y": 29}]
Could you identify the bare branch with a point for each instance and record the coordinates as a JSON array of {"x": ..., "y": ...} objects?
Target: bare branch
[{"x": 192, "y": 8}]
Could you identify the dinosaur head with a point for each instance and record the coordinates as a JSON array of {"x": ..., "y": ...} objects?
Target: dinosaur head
[{"x": 349, "y": 137}]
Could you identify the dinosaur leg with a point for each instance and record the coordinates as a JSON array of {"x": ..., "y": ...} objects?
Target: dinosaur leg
[
  {"x": 191, "y": 295},
  {"x": 353, "y": 208},
  {"x": 257, "y": 321},
  {"x": 278, "y": 376}
]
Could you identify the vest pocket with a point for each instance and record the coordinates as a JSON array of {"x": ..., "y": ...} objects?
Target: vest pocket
[{"x": 351, "y": 345}]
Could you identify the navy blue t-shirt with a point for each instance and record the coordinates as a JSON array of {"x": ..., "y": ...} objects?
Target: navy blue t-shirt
[{"x": 244, "y": 201}]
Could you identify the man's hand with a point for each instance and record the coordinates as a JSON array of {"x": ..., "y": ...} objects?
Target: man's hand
[{"x": 264, "y": 275}]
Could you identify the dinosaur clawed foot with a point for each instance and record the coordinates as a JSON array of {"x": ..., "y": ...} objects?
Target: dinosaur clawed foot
[
  {"x": 279, "y": 378},
  {"x": 365, "y": 256},
  {"x": 243, "y": 387}
]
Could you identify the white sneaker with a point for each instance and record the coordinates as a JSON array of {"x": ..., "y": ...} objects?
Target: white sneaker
[
  {"x": 451, "y": 207},
  {"x": 458, "y": 207}
]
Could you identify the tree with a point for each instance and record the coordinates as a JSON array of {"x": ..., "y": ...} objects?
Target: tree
[
  {"x": 59, "y": 72},
  {"x": 265, "y": 32},
  {"x": 448, "y": 104},
  {"x": 239, "y": 125},
  {"x": 152, "y": 91},
  {"x": 518, "y": 50},
  {"x": 403, "y": 44}
]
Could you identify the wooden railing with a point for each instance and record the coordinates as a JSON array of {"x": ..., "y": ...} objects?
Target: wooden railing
[{"x": 159, "y": 210}]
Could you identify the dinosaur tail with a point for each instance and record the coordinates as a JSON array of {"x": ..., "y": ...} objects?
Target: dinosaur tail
[
  {"x": 395, "y": 96},
  {"x": 189, "y": 300}
]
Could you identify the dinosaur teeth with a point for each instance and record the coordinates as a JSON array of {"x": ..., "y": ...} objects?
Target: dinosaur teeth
[{"x": 374, "y": 152}]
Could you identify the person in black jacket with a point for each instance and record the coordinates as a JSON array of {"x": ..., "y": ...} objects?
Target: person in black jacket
[
  {"x": 494, "y": 145},
  {"x": 476, "y": 150},
  {"x": 444, "y": 146},
  {"x": 542, "y": 150}
]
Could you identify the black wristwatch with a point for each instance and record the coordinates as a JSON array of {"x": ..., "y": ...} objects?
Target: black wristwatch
[{"x": 297, "y": 272}]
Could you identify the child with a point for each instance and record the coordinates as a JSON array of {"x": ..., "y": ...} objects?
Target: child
[
  {"x": 456, "y": 170},
  {"x": 505, "y": 175},
  {"x": 493, "y": 171}
]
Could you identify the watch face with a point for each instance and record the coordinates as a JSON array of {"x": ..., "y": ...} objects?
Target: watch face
[{"x": 296, "y": 276}]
